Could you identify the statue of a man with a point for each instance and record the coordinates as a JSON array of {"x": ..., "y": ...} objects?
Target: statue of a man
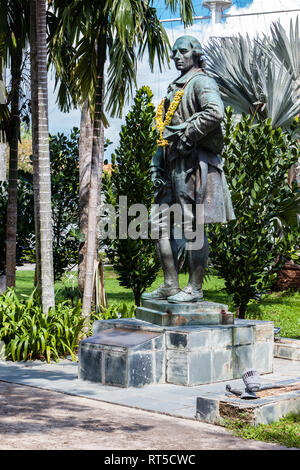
[{"x": 187, "y": 168}]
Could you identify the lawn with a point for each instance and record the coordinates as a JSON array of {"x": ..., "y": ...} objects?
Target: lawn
[
  {"x": 283, "y": 308},
  {"x": 285, "y": 431}
]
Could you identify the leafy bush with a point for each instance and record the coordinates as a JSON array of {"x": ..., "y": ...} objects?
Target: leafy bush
[
  {"x": 135, "y": 260},
  {"x": 65, "y": 199},
  {"x": 29, "y": 334},
  {"x": 248, "y": 251},
  {"x": 114, "y": 311}
]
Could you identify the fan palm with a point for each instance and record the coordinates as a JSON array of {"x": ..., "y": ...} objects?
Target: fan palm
[
  {"x": 286, "y": 50},
  {"x": 118, "y": 32},
  {"x": 251, "y": 81}
]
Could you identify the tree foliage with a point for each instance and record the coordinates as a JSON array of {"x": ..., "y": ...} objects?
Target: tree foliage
[
  {"x": 64, "y": 188},
  {"x": 135, "y": 260},
  {"x": 248, "y": 251}
]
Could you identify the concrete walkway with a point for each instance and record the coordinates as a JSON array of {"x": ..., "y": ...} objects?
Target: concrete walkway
[
  {"x": 47, "y": 407},
  {"x": 38, "y": 419}
]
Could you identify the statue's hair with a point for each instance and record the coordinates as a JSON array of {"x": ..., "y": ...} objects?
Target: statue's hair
[{"x": 197, "y": 49}]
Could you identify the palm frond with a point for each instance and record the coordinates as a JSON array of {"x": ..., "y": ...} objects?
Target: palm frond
[
  {"x": 121, "y": 77},
  {"x": 152, "y": 35},
  {"x": 249, "y": 79},
  {"x": 287, "y": 49},
  {"x": 186, "y": 9}
]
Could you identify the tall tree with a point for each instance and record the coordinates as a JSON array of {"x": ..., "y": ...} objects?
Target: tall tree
[
  {"x": 41, "y": 154},
  {"x": 14, "y": 21},
  {"x": 119, "y": 31}
]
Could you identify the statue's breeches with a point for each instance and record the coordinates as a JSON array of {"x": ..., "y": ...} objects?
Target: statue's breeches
[{"x": 197, "y": 185}]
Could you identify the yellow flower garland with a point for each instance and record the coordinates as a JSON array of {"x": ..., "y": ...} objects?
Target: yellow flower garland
[{"x": 160, "y": 124}]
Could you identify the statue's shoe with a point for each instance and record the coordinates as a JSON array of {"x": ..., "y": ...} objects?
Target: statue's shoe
[
  {"x": 188, "y": 294},
  {"x": 161, "y": 293}
]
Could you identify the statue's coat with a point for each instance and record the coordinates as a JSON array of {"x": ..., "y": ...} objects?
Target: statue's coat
[{"x": 198, "y": 116}]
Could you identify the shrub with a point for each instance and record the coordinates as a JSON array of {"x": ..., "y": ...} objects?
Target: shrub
[
  {"x": 248, "y": 251},
  {"x": 135, "y": 260},
  {"x": 29, "y": 334},
  {"x": 65, "y": 200}
]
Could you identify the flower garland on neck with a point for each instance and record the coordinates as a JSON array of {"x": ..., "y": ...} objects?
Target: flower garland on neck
[{"x": 160, "y": 123}]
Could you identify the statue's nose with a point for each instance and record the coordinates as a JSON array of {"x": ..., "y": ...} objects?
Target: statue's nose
[{"x": 176, "y": 54}]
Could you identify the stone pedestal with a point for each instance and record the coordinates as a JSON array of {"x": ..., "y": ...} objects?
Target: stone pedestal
[
  {"x": 164, "y": 313},
  {"x": 125, "y": 357},
  {"x": 134, "y": 353}
]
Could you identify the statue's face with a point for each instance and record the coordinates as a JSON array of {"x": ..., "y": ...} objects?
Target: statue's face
[{"x": 182, "y": 54}]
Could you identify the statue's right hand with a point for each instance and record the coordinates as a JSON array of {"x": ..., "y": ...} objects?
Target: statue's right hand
[{"x": 158, "y": 182}]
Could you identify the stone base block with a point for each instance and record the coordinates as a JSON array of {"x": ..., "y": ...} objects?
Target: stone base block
[
  {"x": 134, "y": 353},
  {"x": 164, "y": 313},
  {"x": 122, "y": 357},
  {"x": 287, "y": 348},
  {"x": 214, "y": 407}
]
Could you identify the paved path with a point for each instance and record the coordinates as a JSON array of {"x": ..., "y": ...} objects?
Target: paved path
[
  {"x": 37, "y": 419},
  {"x": 45, "y": 406},
  {"x": 175, "y": 400}
]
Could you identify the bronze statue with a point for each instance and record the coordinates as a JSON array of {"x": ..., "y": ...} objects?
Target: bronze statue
[{"x": 187, "y": 168}]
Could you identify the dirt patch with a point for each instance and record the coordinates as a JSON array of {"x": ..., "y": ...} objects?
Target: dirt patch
[{"x": 242, "y": 413}]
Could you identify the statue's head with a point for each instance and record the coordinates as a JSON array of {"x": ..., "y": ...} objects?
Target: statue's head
[{"x": 187, "y": 53}]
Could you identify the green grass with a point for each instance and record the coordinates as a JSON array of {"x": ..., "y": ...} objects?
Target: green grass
[
  {"x": 283, "y": 308},
  {"x": 286, "y": 431}
]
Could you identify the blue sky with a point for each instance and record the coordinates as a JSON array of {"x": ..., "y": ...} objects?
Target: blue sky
[{"x": 60, "y": 122}]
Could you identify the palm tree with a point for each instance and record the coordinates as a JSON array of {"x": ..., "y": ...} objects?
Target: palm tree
[
  {"x": 252, "y": 80},
  {"x": 14, "y": 20},
  {"x": 119, "y": 32},
  {"x": 286, "y": 49},
  {"x": 41, "y": 155}
]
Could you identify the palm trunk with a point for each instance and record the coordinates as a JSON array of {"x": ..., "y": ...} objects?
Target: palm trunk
[
  {"x": 3, "y": 145},
  {"x": 41, "y": 146},
  {"x": 95, "y": 182},
  {"x": 85, "y": 155},
  {"x": 12, "y": 202},
  {"x": 3, "y": 158},
  {"x": 34, "y": 122}
]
